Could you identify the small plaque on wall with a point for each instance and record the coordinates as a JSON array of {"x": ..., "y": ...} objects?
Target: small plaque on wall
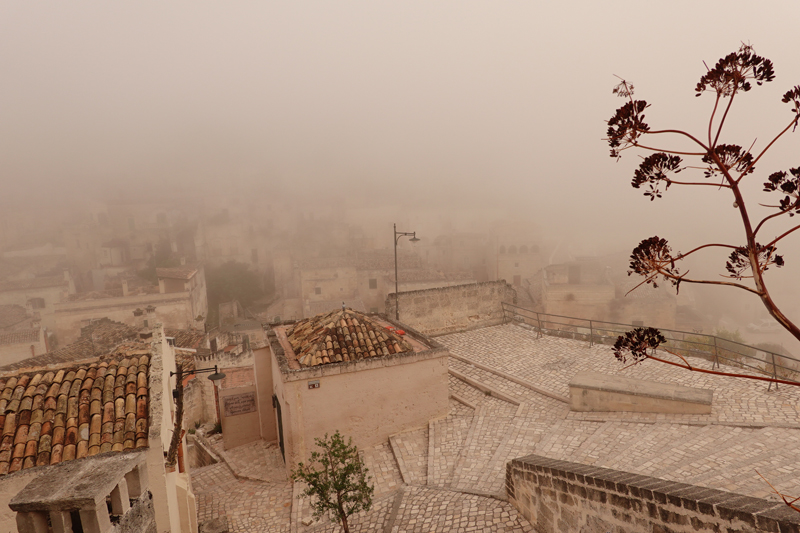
[{"x": 240, "y": 404}]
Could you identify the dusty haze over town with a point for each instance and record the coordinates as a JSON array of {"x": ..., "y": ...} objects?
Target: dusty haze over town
[{"x": 447, "y": 118}]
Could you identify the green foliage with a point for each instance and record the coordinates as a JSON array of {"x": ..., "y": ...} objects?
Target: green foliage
[
  {"x": 162, "y": 258},
  {"x": 231, "y": 281},
  {"x": 338, "y": 479}
]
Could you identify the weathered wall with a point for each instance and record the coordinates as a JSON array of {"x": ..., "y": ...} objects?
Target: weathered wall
[
  {"x": 173, "y": 310},
  {"x": 239, "y": 416},
  {"x": 565, "y": 497},
  {"x": 11, "y": 353},
  {"x": 449, "y": 309},
  {"x": 262, "y": 366}
]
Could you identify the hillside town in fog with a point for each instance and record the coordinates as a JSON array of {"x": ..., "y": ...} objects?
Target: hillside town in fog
[{"x": 368, "y": 267}]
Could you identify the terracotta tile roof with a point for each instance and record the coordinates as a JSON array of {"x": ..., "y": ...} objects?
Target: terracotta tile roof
[
  {"x": 11, "y": 315},
  {"x": 183, "y": 272},
  {"x": 97, "y": 338},
  {"x": 187, "y": 338},
  {"x": 32, "y": 283},
  {"x": 342, "y": 335},
  {"x": 20, "y": 336},
  {"x": 59, "y": 415}
]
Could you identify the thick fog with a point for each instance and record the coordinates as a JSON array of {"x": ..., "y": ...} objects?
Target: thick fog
[{"x": 442, "y": 116}]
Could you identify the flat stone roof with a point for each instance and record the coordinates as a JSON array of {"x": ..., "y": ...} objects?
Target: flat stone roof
[{"x": 76, "y": 484}]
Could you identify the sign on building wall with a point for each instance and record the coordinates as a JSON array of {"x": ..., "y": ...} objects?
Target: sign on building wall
[{"x": 240, "y": 404}]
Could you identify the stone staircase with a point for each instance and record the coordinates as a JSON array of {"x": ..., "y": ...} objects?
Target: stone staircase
[{"x": 493, "y": 420}]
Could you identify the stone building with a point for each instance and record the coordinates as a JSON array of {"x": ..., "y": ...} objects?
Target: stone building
[
  {"x": 38, "y": 295},
  {"x": 179, "y": 301},
  {"x": 21, "y": 344},
  {"x": 79, "y": 434},
  {"x": 345, "y": 371}
]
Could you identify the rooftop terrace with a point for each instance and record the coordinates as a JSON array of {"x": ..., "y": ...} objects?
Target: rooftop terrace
[{"x": 509, "y": 398}]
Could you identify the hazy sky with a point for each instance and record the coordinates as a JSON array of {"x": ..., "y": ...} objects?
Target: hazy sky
[{"x": 456, "y": 102}]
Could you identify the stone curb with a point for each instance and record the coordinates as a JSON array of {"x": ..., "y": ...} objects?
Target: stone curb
[
  {"x": 398, "y": 457},
  {"x": 483, "y": 387},
  {"x": 509, "y": 377},
  {"x": 462, "y": 401}
]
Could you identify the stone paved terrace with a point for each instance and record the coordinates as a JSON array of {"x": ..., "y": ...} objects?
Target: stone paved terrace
[{"x": 449, "y": 476}]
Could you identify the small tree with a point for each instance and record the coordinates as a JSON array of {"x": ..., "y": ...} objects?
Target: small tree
[
  {"x": 338, "y": 480},
  {"x": 723, "y": 167}
]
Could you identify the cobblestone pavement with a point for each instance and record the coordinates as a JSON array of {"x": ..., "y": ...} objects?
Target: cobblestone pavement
[
  {"x": 749, "y": 429},
  {"x": 383, "y": 469},
  {"x": 411, "y": 453},
  {"x": 246, "y": 505},
  {"x": 453, "y": 463},
  {"x": 259, "y": 460},
  {"x": 424, "y": 510},
  {"x": 550, "y": 363},
  {"x": 448, "y": 436}
]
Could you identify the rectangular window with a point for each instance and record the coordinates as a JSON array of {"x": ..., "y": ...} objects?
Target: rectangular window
[
  {"x": 131, "y": 224},
  {"x": 317, "y": 290},
  {"x": 373, "y": 283},
  {"x": 254, "y": 255},
  {"x": 637, "y": 323}
]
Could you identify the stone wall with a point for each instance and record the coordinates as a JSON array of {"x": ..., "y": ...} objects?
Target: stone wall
[
  {"x": 449, "y": 309},
  {"x": 561, "y": 496}
]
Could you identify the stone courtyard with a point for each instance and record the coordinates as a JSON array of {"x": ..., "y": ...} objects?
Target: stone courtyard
[{"x": 509, "y": 393}]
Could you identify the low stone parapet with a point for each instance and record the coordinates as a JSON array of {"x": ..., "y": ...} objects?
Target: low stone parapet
[
  {"x": 564, "y": 497},
  {"x": 593, "y": 391}
]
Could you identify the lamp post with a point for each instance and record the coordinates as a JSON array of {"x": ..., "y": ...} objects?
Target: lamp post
[
  {"x": 177, "y": 394},
  {"x": 397, "y": 235}
]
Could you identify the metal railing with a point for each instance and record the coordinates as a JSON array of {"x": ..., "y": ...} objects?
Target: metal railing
[{"x": 710, "y": 347}]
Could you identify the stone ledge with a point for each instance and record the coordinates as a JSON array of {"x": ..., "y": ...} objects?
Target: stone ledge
[
  {"x": 593, "y": 391},
  {"x": 637, "y": 496}
]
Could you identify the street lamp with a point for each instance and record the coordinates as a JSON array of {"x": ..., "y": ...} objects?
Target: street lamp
[
  {"x": 177, "y": 394},
  {"x": 397, "y": 235}
]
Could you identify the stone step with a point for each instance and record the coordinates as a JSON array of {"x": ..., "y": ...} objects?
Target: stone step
[
  {"x": 489, "y": 430},
  {"x": 502, "y": 381},
  {"x": 465, "y": 391},
  {"x": 410, "y": 450},
  {"x": 383, "y": 468},
  {"x": 446, "y": 437}
]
